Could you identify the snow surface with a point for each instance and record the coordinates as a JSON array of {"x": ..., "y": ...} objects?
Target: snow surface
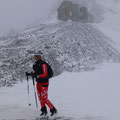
[{"x": 83, "y": 96}]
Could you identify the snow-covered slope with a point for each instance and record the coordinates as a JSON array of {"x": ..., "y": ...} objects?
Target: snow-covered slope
[
  {"x": 67, "y": 46},
  {"x": 82, "y": 96}
]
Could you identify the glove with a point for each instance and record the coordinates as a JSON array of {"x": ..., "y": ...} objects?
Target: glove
[
  {"x": 33, "y": 75},
  {"x": 34, "y": 67},
  {"x": 38, "y": 80},
  {"x": 28, "y": 74}
]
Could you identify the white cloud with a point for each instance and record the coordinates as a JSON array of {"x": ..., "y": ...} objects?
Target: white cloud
[{"x": 16, "y": 14}]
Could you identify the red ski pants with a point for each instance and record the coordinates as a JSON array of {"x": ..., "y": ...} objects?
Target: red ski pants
[{"x": 43, "y": 96}]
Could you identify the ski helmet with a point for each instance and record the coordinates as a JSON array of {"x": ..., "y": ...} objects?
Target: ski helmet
[{"x": 38, "y": 53}]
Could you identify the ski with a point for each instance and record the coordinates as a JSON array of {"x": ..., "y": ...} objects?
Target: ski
[
  {"x": 60, "y": 118},
  {"x": 54, "y": 118},
  {"x": 42, "y": 118}
]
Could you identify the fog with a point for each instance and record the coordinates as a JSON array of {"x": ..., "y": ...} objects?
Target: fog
[{"x": 19, "y": 14}]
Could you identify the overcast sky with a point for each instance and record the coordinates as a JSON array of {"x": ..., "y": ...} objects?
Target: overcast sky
[{"x": 18, "y": 14}]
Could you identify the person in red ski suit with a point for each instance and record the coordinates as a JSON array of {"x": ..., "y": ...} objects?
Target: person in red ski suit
[{"x": 41, "y": 74}]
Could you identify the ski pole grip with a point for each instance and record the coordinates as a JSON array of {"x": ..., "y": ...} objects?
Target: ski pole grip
[
  {"x": 27, "y": 76},
  {"x": 33, "y": 81}
]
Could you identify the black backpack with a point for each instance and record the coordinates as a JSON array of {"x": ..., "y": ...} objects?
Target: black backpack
[
  {"x": 37, "y": 69},
  {"x": 50, "y": 71}
]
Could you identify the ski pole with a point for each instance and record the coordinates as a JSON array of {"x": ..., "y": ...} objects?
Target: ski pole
[
  {"x": 35, "y": 92},
  {"x": 28, "y": 91}
]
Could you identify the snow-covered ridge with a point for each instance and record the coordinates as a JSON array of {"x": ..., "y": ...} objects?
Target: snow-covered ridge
[{"x": 67, "y": 46}]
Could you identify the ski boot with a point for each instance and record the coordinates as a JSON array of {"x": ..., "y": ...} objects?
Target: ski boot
[
  {"x": 53, "y": 111},
  {"x": 44, "y": 111}
]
